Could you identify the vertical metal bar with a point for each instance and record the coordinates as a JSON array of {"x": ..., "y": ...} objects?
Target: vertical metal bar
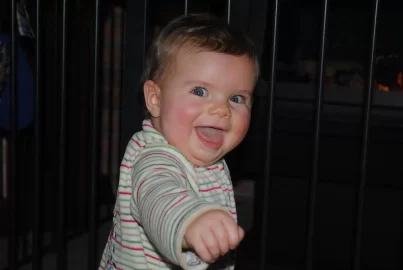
[
  {"x": 186, "y": 7},
  {"x": 269, "y": 134},
  {"x": 132, "y": 116},
  {"x": 315, "y": 161},
  {"x": 93, "y": 211},
  {"x": 112, "y": 82},
  {"x": 36, "y": 238},
  {"x": 24, "y": 246},
  {"x": 13, "y": 223},
  {"x": 2, "y": 169},
  {"x": 62, "y": 245},
  {"x": 145, "y": 30},
  {"x": 228, "y": 11},
  {"x": 122, "y": 76},
  {"x": 3, "y": 142},
  {"x": 364, "y": 155}
]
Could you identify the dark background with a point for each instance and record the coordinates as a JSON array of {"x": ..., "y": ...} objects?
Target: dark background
[{"x": 349, "y": 34}]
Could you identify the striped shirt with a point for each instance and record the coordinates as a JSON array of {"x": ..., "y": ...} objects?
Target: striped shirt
[{"x": 159, "y": 194}]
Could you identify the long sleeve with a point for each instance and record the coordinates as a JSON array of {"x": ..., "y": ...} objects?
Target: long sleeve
[{"x": 164, "y": 199}]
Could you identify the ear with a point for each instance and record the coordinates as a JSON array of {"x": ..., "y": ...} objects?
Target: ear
[{"x": 152, "y": 97}]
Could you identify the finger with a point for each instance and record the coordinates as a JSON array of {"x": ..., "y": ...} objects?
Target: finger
[
  {"x": 202, "y": 251},
  {"x": 222, "y": 238},
  {"x": 232, "y": 231},
  {"x": 212, "y": 245},
  {"x": 241, "y": 233}
]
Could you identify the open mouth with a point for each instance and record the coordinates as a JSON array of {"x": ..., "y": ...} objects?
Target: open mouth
[{"x": 211, "y": 137}]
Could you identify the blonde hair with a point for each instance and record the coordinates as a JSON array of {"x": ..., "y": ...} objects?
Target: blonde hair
[{"x": 202, "y": 32}]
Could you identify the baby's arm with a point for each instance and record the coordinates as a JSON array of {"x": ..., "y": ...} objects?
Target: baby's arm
[{"x": 167, "y": 207}]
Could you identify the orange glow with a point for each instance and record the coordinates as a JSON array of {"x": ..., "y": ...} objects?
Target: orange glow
[
  {"x": 400, "y": 79},
  {"x": 382, "y": 87}
]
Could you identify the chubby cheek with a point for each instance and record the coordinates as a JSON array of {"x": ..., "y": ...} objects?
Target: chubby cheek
[
  {"x": 184, "y": 110},
  {"x": 240, "y": 126},
  {"x": 178, "y": 116}
]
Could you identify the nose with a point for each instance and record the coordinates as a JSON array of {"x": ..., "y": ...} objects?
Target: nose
[{"x": 221, "y": 110}]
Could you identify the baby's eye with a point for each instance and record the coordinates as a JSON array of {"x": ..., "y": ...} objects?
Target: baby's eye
[
  {"x": 238, "y": 99},
  {"x": 199, "y": 91}
]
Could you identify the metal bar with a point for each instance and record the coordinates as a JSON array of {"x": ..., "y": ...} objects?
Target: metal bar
[
  {"x": 2, "y": 169},
  {"x": 92, "y": 237},
  {"x": 24, "y": 245},
  {"x": 132, "y": 116},
  {"x": 364, "y": 155},
  {"x": 315, "y": 160},
  {"x": 269, "y": 133},
  {"x": 111, "y": 89},
  {"x": 145, "y": 30},
  {"x": 3, "y": 158},
  {"x": 228, "y": 11},
  {"x": 62, "y": 243},
  {"x": 36, "y": 238},
  {"x": 186, "y": 7},
  {"x": 121, "y": 81},
  {"x": 12, "y": 160}
]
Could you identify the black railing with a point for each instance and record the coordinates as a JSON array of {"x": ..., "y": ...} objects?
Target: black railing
[
  {"x": 12, "y": 154},
  {"x": 365, "y": 135},
  {"x": 269, "y": 133},
  {"x": 38, "y": 174},
  {"x": 58, "y": 71},
  {"x": 317, "y": 129}
]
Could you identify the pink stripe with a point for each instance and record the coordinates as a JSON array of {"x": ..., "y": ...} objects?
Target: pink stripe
[
  {"x": 155, "y": 258},
  {"x": 137, "y": 249},
  {"x": 138, "y": 189},
  {"x": 126, "y": 247},
  {"x": 166, "y": 212},
  {"x": 215, "y": 168},
  {"x": 125, "y": 193},
  {"x": 136, "y": 142},
  {"x": 114, "y": 267},
  {"x": 163, "y": 154},
  {"x": 215, "y": 188},
  {"x": 160, "y": 198},
  {"x": 129, "y": 220},
  {"x": 126, "y": 166},
  {"x": 209, "y": 189}
]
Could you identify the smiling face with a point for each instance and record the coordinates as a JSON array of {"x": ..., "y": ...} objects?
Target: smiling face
[{"x": 203, "y": 104}]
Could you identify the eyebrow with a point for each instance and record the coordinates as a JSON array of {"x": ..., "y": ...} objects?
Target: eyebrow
[
  {"x": 249, "y": 92},
  {"x": 206, "y": 84},
  {"x": 201, "y": 83}
]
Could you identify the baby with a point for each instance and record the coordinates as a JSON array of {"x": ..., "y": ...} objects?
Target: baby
[{"x": 175, "y": 205}]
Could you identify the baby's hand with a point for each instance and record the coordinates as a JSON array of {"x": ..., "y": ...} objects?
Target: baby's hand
[{"x": 212, "y": 235}]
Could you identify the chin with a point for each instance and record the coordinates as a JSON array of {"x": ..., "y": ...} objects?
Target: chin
[
  {"x": 203, "y": 161},
  {"x": 203, "y": 164}
]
